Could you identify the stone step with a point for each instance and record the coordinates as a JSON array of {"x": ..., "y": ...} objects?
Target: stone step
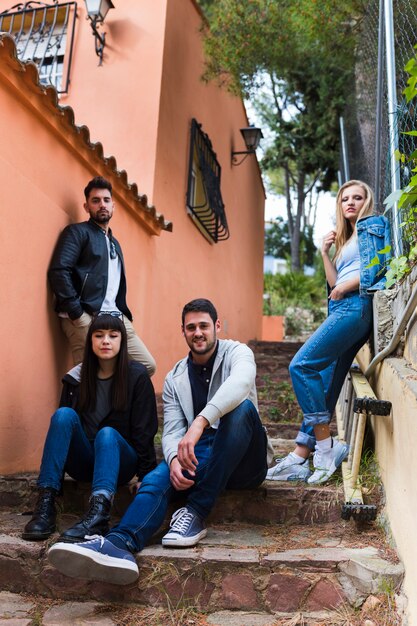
[
  {"x": 271, "y": 503},
  {"x": 19, "y": 610},
  {"x": 277, "y": 570}
]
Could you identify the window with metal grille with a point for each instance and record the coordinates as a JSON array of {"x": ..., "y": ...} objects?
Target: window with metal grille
[
  {"x": 204, "y": 199},
  {"x": 44, "y": 34}
]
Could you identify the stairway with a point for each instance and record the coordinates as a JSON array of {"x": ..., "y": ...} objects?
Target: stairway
[{"x": 277, "y": 555}]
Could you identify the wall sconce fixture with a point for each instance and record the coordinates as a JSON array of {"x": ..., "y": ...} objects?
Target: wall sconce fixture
[
  {"x": 97, "y": 11},
  {"x": 251, "y": 136}
]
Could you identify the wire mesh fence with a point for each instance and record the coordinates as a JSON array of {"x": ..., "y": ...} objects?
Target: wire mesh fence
[{"x": 369, "y": 111}]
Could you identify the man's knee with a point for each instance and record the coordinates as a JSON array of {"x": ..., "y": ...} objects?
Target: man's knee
[
  {"x": 137, "y": 349},
  {"x": 245, "y": 410},
  {"x": 158, "y": 478},
  {"x": 244, "y": 414}
]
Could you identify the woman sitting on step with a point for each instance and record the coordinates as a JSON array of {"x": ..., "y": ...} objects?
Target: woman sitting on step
[
  {"x": 319, "y": 368},
  {"x": 103, "y": 431}
]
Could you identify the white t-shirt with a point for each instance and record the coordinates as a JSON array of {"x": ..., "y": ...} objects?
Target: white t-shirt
[
  {"x": 113, "y": 281},
  {"x": 348, "y": 262}
]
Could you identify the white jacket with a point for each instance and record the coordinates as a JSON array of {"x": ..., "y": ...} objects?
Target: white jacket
[{"x": 232, "y": 382}]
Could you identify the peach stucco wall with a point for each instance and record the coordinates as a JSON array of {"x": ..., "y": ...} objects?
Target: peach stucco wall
[
  {"x": 272, "y": 328},
  {"x": 139, "y": 104},
  {"x": 119, "y": 101}
]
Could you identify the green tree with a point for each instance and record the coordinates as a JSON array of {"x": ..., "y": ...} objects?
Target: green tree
[
  {"x": 277, "y": 241},
  {"x": 297, "y": 60}
]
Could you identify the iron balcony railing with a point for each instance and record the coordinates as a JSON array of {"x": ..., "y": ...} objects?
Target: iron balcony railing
[
  {"x": 44, "y": 34},
  {"x": 204, "y": 198}
]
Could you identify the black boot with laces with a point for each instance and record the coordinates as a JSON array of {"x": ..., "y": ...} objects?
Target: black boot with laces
[
  {"x": 94, "y": 522},
  {"x": 42, "y": 524}
]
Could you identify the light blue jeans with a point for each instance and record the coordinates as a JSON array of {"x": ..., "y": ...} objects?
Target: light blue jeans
[
  {"x": 107, "y": 461},
  {"x": 319, "y": 368},
  {"x": 231, "y": 457}
]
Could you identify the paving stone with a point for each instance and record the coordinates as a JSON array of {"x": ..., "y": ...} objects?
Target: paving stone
[
  {"x": 238, "y": 592},
  {"x": 76, "y": 614},
  {"x": 325, "y": 595},
  {"x": 328, "y": 542},
  {"x": 230, "y": 554},
  {"x": 158, "y": 551},
  {"x": 245, "y": 537},
  {"x": 189, "y": 589},
  {"x": 12, "y": 605},
  {"x": 366, "y": 570},
  {"x": 313, "y": 559},
  {"x": 286, "y": 592},
  {"x": 353, "y": 595},
  {"x": 240, "y": 618}
]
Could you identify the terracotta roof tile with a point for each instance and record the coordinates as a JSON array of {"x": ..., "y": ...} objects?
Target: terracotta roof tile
[{"x": 30, "y": 79}]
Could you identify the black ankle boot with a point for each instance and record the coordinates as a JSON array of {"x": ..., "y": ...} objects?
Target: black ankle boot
[
  {"x": 94, "y": 522},
  {"x": 42, "y": 524}
]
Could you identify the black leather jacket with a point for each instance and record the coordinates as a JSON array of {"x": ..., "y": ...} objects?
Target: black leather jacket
[
  {"x": 78, "y": 271},
  {"x": 138, "y": 424}
]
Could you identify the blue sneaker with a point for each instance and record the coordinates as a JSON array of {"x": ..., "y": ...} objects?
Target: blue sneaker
[
  {"x": 187, "y": 528},
  {"x": 96, "y": 559},
  {"x": 326, "y": 463}
]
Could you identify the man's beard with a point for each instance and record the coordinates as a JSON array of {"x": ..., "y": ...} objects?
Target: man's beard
[
  {"x": 102, "y": 219},
  {"x": 209, "y": 346}
]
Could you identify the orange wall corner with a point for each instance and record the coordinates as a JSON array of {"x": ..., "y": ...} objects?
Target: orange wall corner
[{"x": 272, "y": 328}]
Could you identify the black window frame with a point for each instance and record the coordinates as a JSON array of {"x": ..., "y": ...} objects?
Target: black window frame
[
  {"x": 42, "y": 19},
  {"x": 211, "y": 215}
]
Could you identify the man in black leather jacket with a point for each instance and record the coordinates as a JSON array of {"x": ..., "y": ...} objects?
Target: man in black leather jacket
[{"x": 87, "y": 275}]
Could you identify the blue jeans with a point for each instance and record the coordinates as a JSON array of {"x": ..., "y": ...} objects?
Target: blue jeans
[
  {"x": 319, "y": 368},
  {"x": 233, "y": 457},
  {"x": 107, "y": 461}
]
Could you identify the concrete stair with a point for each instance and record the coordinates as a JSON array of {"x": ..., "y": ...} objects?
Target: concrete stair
[{"x": 279, "y": 554}]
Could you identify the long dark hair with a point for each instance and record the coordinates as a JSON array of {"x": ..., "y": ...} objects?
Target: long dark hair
[{"x": 88, "y": 385}]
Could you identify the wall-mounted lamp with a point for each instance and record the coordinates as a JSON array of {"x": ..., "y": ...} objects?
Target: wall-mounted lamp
[
  {"x": 97, "y": 11},
  {"x": 251, "y": 136}
]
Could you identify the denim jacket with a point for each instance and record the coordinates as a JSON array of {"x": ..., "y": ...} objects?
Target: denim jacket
[{"x": 373, "y": 236}]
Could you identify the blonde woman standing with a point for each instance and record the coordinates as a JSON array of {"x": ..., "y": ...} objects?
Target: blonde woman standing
[{"x": 319, "y": 368}]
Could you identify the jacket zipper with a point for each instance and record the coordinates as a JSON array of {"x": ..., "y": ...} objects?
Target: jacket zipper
[{"x": 83, "y": 285}]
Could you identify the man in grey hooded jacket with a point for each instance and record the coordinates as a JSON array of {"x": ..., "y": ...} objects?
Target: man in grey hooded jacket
[{"x": 212, "y": 439}]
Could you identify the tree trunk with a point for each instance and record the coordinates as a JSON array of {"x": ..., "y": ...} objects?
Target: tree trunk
[
  {"x": 288, "y": 200},
  {"x": 296, "y": 233}
]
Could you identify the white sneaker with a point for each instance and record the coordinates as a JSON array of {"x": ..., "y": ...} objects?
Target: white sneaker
[
  {"x": 288, "y": 469},
  {"x": 326, "y": 463}
]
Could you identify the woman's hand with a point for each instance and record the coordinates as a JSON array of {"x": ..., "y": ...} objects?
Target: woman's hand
[
  {"x": 328, "y": 241},
  {"x": 337, "y": 293}
]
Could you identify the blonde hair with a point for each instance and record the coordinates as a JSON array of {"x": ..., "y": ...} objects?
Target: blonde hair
[{"x": 344, "y": 229}]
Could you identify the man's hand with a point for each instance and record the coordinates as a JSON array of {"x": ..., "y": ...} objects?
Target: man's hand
[
  {"x": 186, "y": 456},
  {"x": 178, "y": 480}
]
